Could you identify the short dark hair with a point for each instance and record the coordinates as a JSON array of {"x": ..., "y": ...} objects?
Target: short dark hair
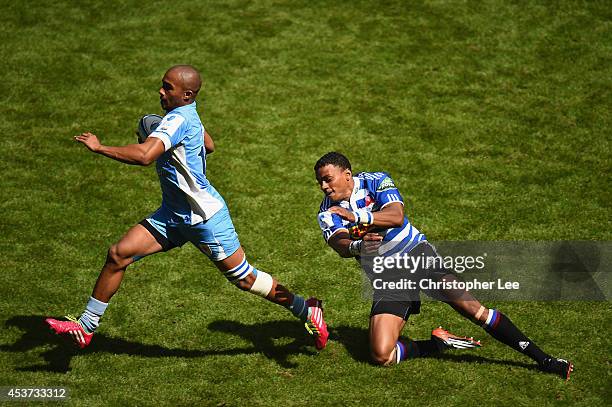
[{"x": 335, "y": 159}]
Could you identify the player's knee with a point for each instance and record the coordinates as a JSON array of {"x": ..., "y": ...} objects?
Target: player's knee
[
  {"x": 382, "y": 356},
  {"x": 115, "y": 258}
]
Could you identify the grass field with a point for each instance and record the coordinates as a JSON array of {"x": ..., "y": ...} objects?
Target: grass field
[{"x": 493, "y": 118}]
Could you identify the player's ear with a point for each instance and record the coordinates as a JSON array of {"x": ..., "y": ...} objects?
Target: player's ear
[
  {"x": 188, "y": 94},
  {"x": 348, "y": 174}
]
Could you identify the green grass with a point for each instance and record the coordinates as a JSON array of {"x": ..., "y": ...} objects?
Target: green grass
[{"x": 492, "y": 117}]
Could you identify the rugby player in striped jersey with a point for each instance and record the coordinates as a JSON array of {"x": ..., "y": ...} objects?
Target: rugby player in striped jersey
[{"x": 363, "y": 215}]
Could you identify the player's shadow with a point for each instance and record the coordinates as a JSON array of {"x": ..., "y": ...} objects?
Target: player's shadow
[
  {"x": 58, "y": 353},
  {"x": 356, "y": 342},
  {"x": 277, "y": 340}
]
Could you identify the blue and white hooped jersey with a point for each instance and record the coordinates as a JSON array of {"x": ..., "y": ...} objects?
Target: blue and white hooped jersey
[
  {"x": 186, "y": 192},
  {"x": 372, "y": 191}
]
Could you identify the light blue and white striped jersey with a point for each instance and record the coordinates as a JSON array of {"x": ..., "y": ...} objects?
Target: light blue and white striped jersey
[
  {"x": 186, "y": 193},
  {"x": 372, "y": 191}
]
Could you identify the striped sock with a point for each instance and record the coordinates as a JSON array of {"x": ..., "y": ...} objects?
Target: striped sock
[
  {"x": 416, "y": 349},
  {"x": 501, "y": 328},
  {"x": 298, "y": 307},
  {"x": 240, "y": 271},
  {"x": 90, "y": 319},
  {"x": 400, "y": 352}
]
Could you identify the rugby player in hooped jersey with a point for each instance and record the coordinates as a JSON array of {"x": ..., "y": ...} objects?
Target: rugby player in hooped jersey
[
  {"x": 364, "y": 214},
  {"x": 191, "y": 210}
]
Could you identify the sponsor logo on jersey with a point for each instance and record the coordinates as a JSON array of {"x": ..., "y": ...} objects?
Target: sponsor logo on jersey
[{"x": 386, "y": 184}]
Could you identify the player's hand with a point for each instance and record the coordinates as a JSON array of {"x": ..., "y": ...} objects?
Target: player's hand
[
  {"x": 371, "y": 243},
  {"x": 90, "y": 141},
  {"x": 343, "y": 213}
]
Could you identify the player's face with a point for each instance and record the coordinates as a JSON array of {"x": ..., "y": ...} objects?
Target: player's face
[
  {"x": 171, "y": 93},
  {"x": 335, "y": 182}
]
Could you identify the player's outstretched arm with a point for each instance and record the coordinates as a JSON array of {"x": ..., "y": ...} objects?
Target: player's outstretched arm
[{"x": 134, "y": 154}]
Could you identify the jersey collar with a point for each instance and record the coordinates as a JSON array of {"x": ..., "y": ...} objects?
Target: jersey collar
[{"x": 190, "y": 106}]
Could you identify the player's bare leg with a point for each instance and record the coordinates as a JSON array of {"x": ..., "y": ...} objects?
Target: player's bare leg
[
  {"x": 136, "y": 243},
  {"x": 385, "y": 330},
  {"x": 247, "y": 278},
  {"x": 387, "y": 348}
]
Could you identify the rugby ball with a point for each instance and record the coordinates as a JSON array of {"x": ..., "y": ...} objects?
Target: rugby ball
[{"x": 147, "y": 125}]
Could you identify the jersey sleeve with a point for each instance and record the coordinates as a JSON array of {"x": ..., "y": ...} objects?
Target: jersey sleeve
[
  {"x": 385, "y": 192},
  {"x": 171, "y": 130},
  {"x": 330, "y": 223}
]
